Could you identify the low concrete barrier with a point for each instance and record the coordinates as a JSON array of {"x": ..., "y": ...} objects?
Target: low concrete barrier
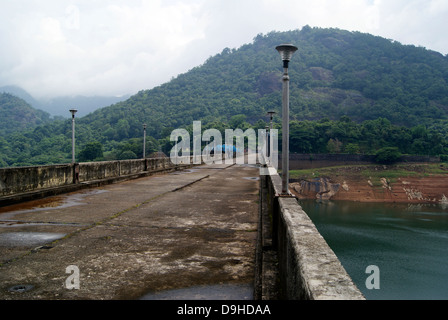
[
  {"x": 90, "y": 171},
  {"x": 307, "y": 267},
  {"x": 28, "y": 183},
  {"x": 25, "y": 179}
]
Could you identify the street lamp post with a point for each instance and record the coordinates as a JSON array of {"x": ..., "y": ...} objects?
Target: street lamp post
[
  {"x": 271, "y": 116},
  {"x": 73, "y": 111},
  {"x": 286, "y": 51},
  {"x": 267, "y": 144},
  {"x": 144, "y": 140}
]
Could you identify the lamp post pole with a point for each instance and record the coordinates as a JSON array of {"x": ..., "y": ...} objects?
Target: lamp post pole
[
  {"x": 144, "y": 141},
  {"x": 73, "y": 111},
  {"x": 286, "y": 51},
  {"x": 271, "y": 115},
  {"x": 267, "y": 144}
]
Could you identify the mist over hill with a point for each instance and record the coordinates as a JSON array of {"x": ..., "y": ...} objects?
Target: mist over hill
[
  {"x": 347, "y": 89},
  {"x": 59, "y": 106}
]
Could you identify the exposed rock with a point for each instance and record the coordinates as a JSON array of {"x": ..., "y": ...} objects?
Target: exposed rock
[
  {"x": 444, "y": 200},
  {"x": 385, "y": 183},
  {"x": 321, "y": 74},
  {"x": 319, "y": 188},
  {"x": 430, "y": 189},
  {"x": 413, "y": 194}
]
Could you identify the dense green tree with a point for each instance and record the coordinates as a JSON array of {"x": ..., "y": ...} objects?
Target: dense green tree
[
  {"x": 92, "y": 151},
  {"x": 387, "y": 155},
  {"x": 352, "y": 148},
  {"x": 127, "y": 155}
]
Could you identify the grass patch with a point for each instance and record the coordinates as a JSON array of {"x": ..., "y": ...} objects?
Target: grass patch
[
  {"x": 325, "y": 172},
  {"x": 373, "y": 172}
]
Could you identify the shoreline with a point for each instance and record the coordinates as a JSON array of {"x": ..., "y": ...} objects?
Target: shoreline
[{"x": 421, "y": 183}]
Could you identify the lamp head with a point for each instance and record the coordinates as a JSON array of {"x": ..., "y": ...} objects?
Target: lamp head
[
  {"x": 286, "y": 51},
  {"x": 73, "y": 111},
  {"x": 271, "y": 113}
]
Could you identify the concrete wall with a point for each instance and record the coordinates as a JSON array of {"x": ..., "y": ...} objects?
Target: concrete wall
[
  {"x": 158, "y": 164},
  {"x": 307, "y": 267},
  {"x": 25, "y": 179},
  {"x": 89, "y": 171},
  {"x": 66, "y": 177}
]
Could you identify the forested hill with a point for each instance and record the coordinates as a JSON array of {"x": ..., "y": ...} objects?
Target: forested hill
[
  {"x": 334, "y": 73},
  {"x": 364, "y": 80},
  {"x": 17, "y": 115}
]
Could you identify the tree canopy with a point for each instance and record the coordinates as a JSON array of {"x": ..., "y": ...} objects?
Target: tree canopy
[{"x": 17, "y": 115}]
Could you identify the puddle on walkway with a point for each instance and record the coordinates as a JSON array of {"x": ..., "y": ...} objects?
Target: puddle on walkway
[
  {"x": 183, "y": 171},
  {"x": 25, "y": 239},
  {"x": 52, "y": 203},
  {"x": 250, "y": 165},
  {"x": 18, "y": 223},
  {"x": 212, "y": 292},
  {"x": 252, "y": 178}
]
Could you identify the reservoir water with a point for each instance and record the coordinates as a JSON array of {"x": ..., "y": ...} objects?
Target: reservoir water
[{"x": 407, "y": 242}]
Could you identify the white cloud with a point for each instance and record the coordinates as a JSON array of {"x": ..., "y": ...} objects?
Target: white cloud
[{"x": 112, "y": 47}]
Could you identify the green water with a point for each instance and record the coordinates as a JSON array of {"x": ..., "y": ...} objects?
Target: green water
[{"x": 408, "y": 243}]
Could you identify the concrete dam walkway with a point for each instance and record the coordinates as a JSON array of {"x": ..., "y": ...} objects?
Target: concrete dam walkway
[{"x": 129, "y": 240}]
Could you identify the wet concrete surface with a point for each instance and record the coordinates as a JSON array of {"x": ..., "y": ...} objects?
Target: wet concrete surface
[
  {"x": 211, "y": 292},
  {"x": 16, "y": 239},
  {"x": 193, "y": 229}
]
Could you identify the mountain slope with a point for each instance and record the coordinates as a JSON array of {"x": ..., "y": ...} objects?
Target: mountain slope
[
  {"x": 335, "y": 74},
  {"x": 22, "y": 94},
  {"x": 16, "y": 115}
]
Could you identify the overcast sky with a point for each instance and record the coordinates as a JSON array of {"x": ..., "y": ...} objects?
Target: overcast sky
[{"x": 114, "y": 47}]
